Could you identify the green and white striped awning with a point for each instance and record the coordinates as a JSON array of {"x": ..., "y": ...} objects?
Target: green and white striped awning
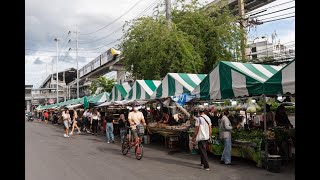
[
  {"x": 142, "y": 89},
  {"x": 175, "y": 84},
  {"x": 283, "y": 82},
  {"x": 233, "y": 79},
  {"x": 100, "y": 98},
  {"x": 119, "y": 92}
]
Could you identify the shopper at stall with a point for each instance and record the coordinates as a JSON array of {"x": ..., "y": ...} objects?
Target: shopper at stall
[
  {"x": 109, "y": 128},
  {"x": 94, "y": 121},
  {"x": 86, "y": 117},
  {"x": 225, "y": 135},
  {"x": 202, "y": 134},
  {"x": 281, "y": 117}
]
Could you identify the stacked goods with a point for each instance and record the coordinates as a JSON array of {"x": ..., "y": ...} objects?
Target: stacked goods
[
  {"x": 253, "y": 136},
  {"x": 153, "y": 124},
  {"x": 270, "y": 135}
]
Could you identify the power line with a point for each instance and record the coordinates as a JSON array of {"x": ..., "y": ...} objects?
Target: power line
[
  {"x": 102, "y": 37},
  {"x": 270, "y": 7},
  {"x": 278, "y": 19},
  {"x": 115, "y": 19},
  {"x": 103, "y": 45},
  {"x": 117, "y": 30},
  {"x": 272, "y": 12},
  {"x": 39, "y": 50},
  {"x": 276, "y": 16},
  {"x": 140, "y": 14}
]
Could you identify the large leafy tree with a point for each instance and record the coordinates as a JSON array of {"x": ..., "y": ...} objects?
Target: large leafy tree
[
  {"x": 104, "y": 84},
  {"x": 197, "y": 39}
]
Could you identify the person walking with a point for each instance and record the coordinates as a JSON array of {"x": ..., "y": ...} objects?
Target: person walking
[
  {"x": 225, "y": 128},
  {"x": 75, "y": 122},
  {"x": 94, "y": 121},
  {"x": 122, "y": 126},
  {"x": 109, "y": 128},
  {"x": 66, "y": 118},
  {"x": 202, "y": 134},
  {"x": 46, "y": 116}
]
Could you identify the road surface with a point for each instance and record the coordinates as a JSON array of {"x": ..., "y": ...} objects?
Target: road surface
[{"x": 50, "y": 156}]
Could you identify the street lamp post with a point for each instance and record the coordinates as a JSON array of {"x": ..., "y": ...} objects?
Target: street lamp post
[{"x": 57, "y": 78}]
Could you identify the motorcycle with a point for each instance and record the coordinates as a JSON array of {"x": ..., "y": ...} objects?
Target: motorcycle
[{"x": 30, "y": 118}]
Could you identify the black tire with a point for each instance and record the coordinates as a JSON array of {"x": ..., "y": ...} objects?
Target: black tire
[
  {"x": 125, "y": 147},
  {"x": 139, "y": 153}
]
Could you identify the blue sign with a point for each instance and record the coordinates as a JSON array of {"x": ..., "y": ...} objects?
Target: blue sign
[{"x": 183, "y": 98}]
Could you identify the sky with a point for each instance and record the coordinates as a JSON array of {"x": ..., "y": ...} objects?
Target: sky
[{"x": 99, "y": 24}]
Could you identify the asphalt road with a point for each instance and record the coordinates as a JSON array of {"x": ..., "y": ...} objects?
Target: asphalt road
[{"x": 50, "y": 156}]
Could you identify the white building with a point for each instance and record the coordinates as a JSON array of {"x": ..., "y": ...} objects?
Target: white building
[{"x": 262, "y": 49}]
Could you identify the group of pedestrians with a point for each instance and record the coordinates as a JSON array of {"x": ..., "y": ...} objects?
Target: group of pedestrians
[
  {"x": 202, "y": 136},
  {"x": 88, "y": 122}
]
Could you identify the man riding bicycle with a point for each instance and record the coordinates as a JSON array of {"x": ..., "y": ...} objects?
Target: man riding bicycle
[{"x": 135, "y": 118}]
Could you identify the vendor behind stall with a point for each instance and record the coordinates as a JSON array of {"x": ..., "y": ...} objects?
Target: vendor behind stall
[
  {"x": 269, "y": 116},
  {"x": 281, "y": 117},
  {"x": 165, "y": 117}
]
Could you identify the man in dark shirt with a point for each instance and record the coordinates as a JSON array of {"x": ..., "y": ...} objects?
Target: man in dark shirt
[{"x": 213, "y": 116}]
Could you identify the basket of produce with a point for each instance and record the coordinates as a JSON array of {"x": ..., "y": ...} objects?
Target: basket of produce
[{"x": 270, "y": 135}]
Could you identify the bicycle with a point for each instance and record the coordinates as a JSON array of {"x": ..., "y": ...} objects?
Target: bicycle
[{"x": 129, "y": 143}]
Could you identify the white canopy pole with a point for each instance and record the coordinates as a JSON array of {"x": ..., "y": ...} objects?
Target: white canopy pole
[{"x": 265, "y": 129}]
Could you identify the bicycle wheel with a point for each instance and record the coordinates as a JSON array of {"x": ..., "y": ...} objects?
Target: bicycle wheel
[
  {"x": 139, "y": 151},
  {"x": 125, "y": 147}
]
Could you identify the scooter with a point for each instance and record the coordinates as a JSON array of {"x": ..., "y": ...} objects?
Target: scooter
[{"x": 30, "y": 118}]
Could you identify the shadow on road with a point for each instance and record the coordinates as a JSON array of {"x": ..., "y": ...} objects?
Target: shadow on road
[{"x": 172, "y": 161}]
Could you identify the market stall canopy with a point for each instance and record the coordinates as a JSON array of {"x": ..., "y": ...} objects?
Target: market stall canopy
[
  {"x": 175, "y": 84},
  {"x": 100, "y": 98},
  {"x": 283, "y": 82},
  {"x": 142, "y": 89},
  {"x": 233, "y": 79},
  {"x": 119, "y": 92},
  {"x": 74, "y": 106}
]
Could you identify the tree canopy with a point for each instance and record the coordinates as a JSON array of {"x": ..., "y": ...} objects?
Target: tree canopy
[
  {"x": 101, "y": 84},
  {"x": 198, "y": 38}
]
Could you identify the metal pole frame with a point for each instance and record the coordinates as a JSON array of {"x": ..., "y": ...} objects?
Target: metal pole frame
[
  {"x": 265, "y": 129},
  {"x": 57, "y": 78}
]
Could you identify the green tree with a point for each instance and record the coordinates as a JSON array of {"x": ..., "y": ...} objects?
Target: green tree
[
  {"x": 103, "y": 83},
  {"x": 198, "y": 39}
]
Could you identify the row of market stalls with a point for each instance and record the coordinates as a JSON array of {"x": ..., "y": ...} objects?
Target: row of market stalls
[{"x": 227, "y": 80}]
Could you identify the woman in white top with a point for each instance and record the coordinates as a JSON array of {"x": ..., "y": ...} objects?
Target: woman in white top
[
  {"x": 66, "y": 118},
  {"x": 74, "y": 120},
  {"x": 94, "y": 121}
]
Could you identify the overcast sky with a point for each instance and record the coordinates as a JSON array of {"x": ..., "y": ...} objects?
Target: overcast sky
[{"x": 47, "y": 19}]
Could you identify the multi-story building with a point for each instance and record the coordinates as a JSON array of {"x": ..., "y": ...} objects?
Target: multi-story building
[
  {"x": 28, "y": 98},
  {"x": 264, "y": 51},
  {"x": 47, "y": 92}
]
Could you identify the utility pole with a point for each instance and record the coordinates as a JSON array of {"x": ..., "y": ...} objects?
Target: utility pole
[
  {"x": 77, "y": 48},
  {"x": 57, "y": 78},
  {"x": 51, "y": 74},
  {"x": 77, "y": 62},
  {"x": 243, "y": 29},
  {"x": 168, "y": 12}
]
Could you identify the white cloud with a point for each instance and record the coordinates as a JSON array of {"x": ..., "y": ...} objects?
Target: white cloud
[{"x": 47, "y": 19}]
